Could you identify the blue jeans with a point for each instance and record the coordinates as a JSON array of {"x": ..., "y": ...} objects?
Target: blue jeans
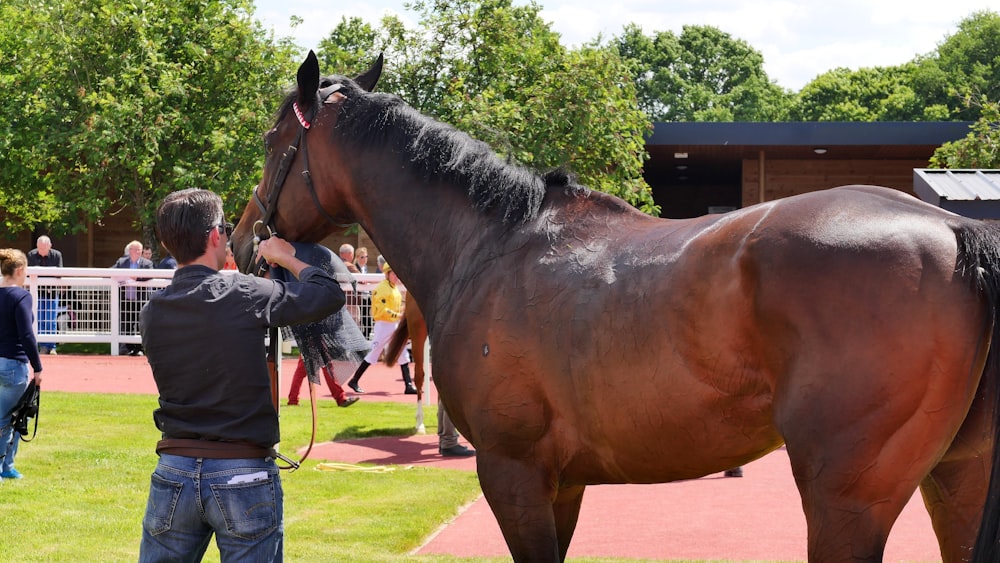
[
  {"x": 48, "y": 314},
  {"x": 239, "y": 500},
  {"x": 13, "y": 381}
]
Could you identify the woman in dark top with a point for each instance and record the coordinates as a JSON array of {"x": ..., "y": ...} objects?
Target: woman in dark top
[{"x": 17, "y": 349}]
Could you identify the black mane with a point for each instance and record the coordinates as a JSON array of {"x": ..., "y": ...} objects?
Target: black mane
[{"x": 438, "y": 152}]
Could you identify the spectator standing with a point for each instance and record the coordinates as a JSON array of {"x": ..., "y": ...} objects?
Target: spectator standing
[
  {"x": 361, "y": 261},
  {"x": 132, "y": 297},
  {"x": 168, "y": 263},
  {"x": 216, "y": 473},
  {"x": 365, "y": 297},
  {"x": 17, "y": 349},
  {"x": 347, "y": 255},
  {"x": 48, "y": 299}
]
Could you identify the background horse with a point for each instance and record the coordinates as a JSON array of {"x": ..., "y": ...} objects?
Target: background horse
[
  {"x": 578, "y": 341},
  {"x": 411, "y": 327}
]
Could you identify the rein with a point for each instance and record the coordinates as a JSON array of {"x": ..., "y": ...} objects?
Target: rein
[{"x": 262, "y": 230}]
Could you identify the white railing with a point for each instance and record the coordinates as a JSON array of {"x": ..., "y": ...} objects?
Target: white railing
[{"x": 101, "y": 305}]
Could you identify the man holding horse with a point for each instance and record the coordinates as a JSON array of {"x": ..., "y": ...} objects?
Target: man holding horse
[{"x": 203, "y": 336}]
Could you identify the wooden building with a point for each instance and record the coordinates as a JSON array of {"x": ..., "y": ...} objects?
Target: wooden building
[{"x": 699, "y": 168}]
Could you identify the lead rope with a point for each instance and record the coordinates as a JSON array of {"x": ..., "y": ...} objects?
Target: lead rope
[{"x": 264, "y": 232}]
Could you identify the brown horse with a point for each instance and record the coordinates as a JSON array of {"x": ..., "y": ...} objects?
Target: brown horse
[{"x": 578, "y": 341}]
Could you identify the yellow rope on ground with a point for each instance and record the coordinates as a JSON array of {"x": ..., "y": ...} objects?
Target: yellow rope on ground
[{"x": 354, "y": 467}]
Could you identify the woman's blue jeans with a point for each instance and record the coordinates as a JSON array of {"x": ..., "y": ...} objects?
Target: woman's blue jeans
[
  {"x": 13, "y": 381},
  {"x": 239, "y": 500}
]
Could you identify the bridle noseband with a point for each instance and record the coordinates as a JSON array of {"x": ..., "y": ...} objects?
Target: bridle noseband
[{"x": 262, "y": 228}]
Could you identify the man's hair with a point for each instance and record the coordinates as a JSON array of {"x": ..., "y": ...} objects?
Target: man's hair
[
  {"x": 344, "y": 248},
  {"x": 184, "y": 219},
  {"x": 43, "y": 240}
]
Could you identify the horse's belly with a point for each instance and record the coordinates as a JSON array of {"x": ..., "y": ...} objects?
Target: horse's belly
[{"x": 676, "y": 441}]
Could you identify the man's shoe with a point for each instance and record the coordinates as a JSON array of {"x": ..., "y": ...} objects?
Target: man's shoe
[
  {"x": 348, "y": 402},
  {"x": 456, "y": 451},
  {"x": 354, "y": 387},
  {"x": 11, "y": 474},
  {"x": 735, "y": 472},
  {"x": 410, "y": 390}
]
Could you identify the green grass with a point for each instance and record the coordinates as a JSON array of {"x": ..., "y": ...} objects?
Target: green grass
[{"x": 87, "y": 476}]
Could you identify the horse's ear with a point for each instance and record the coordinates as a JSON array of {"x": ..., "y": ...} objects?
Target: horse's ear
[
  {"x": 369, "y": 78},
  {"x": 308, "y": 79}
]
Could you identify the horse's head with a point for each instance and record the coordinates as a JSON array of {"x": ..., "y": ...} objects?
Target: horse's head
[{"x": 299, "y": 146}]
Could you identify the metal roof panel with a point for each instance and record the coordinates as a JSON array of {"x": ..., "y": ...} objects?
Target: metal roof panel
[{"x": 956, "y": 185}]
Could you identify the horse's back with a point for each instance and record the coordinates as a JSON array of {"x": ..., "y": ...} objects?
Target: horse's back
[{"x": 825, "y": 301}]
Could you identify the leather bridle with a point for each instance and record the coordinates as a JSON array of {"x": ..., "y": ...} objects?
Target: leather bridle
[{"x": 263, "y": 229}]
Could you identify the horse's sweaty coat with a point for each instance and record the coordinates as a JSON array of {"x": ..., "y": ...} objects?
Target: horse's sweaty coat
[{"x": 578, "y": 341}]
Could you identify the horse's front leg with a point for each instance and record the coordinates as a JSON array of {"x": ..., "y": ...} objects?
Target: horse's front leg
[{"x": 536, "y": 518}]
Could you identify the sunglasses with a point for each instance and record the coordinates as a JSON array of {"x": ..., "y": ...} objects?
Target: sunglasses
[{"x": 223, "y": 228}]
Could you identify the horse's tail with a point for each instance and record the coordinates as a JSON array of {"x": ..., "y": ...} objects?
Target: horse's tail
[
  {"x": 396, "y": 342},
  {"x": 979, "y": 260}
]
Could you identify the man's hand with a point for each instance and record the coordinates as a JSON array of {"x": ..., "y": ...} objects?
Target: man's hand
[{"x": 279, "y": 252}]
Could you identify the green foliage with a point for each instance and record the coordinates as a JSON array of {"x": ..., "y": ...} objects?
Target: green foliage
[
  {"x": 965, "y": 67},
  {"x": 118, "y": 104},
  {"x": 867, "y": 94},
  {"x": 979, "y": 149},
  {"x": 702, "y": 75},
  {"x": 932, "y": 87},
  {"x": 498, "y": 72}
]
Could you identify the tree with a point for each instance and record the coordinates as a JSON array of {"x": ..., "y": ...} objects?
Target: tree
[
  {"x": 964, "y": 67},
  {"x": 499, "y": 73},
  {"x": 867, "y": 94},
  {"x": 932, "y": 87},
  {"x": 117, "y": 105},
  {"x": 702, "y": 75},
  {"x": 979, "y": 149}
]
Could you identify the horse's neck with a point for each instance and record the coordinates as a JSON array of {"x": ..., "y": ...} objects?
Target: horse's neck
[{"x": 425, "y": 232}]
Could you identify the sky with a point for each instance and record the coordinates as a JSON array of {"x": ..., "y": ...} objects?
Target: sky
[{"x": 799, "y": 39}]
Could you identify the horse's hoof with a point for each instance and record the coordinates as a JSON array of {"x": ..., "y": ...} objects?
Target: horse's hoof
[
  {"x": 410, "y": 390},
  {"x": 735, "y": 472}
]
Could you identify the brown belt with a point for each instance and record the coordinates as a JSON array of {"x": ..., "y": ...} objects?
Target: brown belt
[{"x": 211, "y": 449}]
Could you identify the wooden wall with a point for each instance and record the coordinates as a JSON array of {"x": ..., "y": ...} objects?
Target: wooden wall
[
  {"x": 783, "y": 178},
  {"x": 97, "y": 246}
]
